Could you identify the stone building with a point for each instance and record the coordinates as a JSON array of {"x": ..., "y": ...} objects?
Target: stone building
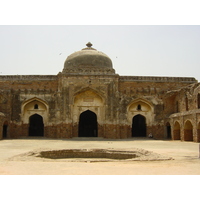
[{"x": 88, "y": 99}]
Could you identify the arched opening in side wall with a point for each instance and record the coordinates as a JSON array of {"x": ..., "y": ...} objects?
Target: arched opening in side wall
[
  {"x": 139, "y": 126},
  {"x": 34, "y": 106},
  {"x": 140, "y": 115},
  {"x": 188, "y": 131},
  {"x": 168, "y": 129},
  {"x": 198, "y": 132},
  {"x": 5, "y": 129},
  {"x": 36, "y": 125},
  {"x": 176, "y": 131},
  {"x": 198, "y": 101},
  {"x": 88, "y": 126}
]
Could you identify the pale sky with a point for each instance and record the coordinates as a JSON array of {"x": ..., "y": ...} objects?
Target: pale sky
[{"x": 134, "y": 50}]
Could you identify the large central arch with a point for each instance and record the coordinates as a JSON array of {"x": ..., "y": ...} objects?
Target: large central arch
[
  {"x": 88, "y": 124},
  {"x": 88, "y": 100},
  {"x": 139, "y": 126},
  {"x": 85, "y": 102},
  {"x": 36, "y": 125}
]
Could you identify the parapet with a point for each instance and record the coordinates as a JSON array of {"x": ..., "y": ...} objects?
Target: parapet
[
  {"x": 189, "y": 80},
  {"x": 28, "y": 77}
]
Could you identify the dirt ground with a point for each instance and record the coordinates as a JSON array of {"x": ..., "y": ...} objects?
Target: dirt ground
[{"x": 185, "y": 156}]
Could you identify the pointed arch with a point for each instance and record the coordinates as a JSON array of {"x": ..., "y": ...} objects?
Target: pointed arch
[
  {"x": 168, "y": 130},
  {"x": 177, "y": 131},
  {"x": 88, "y": 126},
  {"x": 141, "y": 102},
  {"x": 142, "y": 107},
  {"x": 88, "y": 90},
  {"x": 198, "y": 132},
  {"x": 34, "y": 106},
  {"x": 188, "y": 131},
  {"x": 139, "y": 126},
  {"x": 35, "y": 100},
  {"x": 36, "y": 125},
  {"x": 5, "y": 129},
  {"x": 88, "y": 99}
]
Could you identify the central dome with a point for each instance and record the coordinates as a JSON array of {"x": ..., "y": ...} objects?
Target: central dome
[{"x": 88, "y": 61}]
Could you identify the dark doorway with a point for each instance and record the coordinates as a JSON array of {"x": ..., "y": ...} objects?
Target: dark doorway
[
  {"x": 5, "y": 128},
  {"x": 88, "y": 124},
  {"x": 168, "y": 131},
  {"x": 198, "y": 101},
  {"x": 36, "y": 126},
  {"x": 139, "y": 126}
]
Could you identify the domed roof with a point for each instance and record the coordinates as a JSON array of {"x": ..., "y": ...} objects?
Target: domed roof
[{"x": 88, "y": 61}]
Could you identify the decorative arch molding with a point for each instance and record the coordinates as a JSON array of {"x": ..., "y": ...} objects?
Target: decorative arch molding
[
  {"x": 140, "y": 100},
  {"x": 34, "y": 106},
  {"x": 88, "y": 89},
  {"x": 141, "y": 107},
  {"x": 167, "y": 123},
  {"x": 187, "y": 123},
  {"x": 35, "y": 99},
  {"x": 177, "y": 124},
  {"x": 88, "y": 99}
]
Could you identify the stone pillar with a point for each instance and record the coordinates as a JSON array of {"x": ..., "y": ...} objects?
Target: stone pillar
[{"x": 182, "y": 133}]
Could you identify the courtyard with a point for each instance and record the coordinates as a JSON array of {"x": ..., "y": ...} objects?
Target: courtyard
[{"x": 182, "y": 157}]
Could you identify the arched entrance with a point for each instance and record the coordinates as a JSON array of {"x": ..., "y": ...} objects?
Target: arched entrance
[
  {"x": 176, "y": 131},
  {"x": 88, "y": 124},
  {"x": 5, "y": 129},
  {"x": 36, "y": 125},
  {"x": 139, "y": 126},
  {"x": 168, "y": 129},
  {"x": 188, "y": 131},
  {"x": 198, "y": 132}
]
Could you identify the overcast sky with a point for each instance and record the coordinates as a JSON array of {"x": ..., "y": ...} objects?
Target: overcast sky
[{"x": 134, "y": 50}]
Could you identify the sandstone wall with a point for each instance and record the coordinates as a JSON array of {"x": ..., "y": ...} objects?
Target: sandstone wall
[{"x": 114, "y": 99}]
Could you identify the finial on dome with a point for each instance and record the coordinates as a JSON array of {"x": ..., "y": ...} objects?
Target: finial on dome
[{"x": 89, "y": 44}]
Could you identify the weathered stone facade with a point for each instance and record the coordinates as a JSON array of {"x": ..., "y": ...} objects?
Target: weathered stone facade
[
  {"x": 88, "y": 99},
  {"x": 183, "y": 112}
]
